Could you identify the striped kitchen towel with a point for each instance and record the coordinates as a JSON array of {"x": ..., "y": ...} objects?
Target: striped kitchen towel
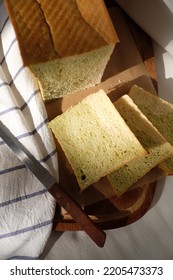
[{"x": 26, "y": 208}]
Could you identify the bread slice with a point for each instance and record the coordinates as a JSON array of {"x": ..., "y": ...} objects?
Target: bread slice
[
  {"x": 95, "y": 138},
  {"x": 160, "y": 114},
  {"x": 67, "y": 44},
  {"x": 153, "y": 142}
]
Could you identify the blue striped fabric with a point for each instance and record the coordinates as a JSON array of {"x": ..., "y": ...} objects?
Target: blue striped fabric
[
  {"x": 26, "y": 229},
  {"x": 26, "y": 208},
  {"x": 3, "y": 59},
  {"x": 25, "y": 104},
  {"x": 11, "y": 169}
]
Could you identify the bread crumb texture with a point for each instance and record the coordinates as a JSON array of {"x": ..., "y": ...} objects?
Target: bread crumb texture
[
  {"x": 95, "y": 138},
  {"x": 160, "y": 114},
  {"x": 154, "y": 143},
  {"x": 58, "y": 78}
]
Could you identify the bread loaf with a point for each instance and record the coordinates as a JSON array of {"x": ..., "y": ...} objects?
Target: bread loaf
[
  {"x": 160, "y": 114},
  {"x": 95, "y": 138},
  {"x": 153, "y": 142},
  {"x": 66, "y": 44}
]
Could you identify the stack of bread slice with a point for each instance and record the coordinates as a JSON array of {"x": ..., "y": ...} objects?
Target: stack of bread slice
[
  {"x": 100, "y": 139},
  {"x": 154, "y": 143},
  {"x": 160, "y": 114},
  {"x": 66, "y": 43},
  {"x": 95, "y": 138}
]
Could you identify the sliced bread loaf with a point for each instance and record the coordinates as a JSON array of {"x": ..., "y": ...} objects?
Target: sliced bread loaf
[
  {"x": 66, "y": 44},
  {"x": 160, "y": 114},
  {"x": 95, "y": 138},
  {"x": 153, "y": 142}
]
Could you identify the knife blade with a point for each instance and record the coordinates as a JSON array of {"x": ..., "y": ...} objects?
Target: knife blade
[{"x": 53, "y": 187}]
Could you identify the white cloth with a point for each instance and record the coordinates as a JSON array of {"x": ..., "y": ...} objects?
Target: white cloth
[
  {"x": 26, "y": 208},
  {"x": 155, "y": 17}
]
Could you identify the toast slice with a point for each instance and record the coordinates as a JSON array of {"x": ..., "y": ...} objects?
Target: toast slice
[
  {"x": 95, "y": 138},
  {"x": 153, "y": 142},
  {"x": 160, "y": 114}
]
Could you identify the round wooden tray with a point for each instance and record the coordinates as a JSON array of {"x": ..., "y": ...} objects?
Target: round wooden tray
[{"x": 111, "y": 213}]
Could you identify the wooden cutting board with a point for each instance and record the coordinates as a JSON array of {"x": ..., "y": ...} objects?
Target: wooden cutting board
[{"x": 131, "y": 63}]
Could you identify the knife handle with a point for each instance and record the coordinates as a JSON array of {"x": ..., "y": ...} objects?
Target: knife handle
[{"x": 79, "y": 216}]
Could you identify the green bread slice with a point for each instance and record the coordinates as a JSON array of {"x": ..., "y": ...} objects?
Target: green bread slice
[
  {"x": 160, "y": 114},
  {"x": 95, "y": 138},
  {"x": 153, "y": 142}
]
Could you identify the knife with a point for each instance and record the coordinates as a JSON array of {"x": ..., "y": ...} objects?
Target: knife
[{"x": 53, "y": 187}]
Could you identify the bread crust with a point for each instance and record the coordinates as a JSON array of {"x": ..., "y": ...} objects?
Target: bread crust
[
  {"x": 32, "y": 34},
  {"x": 55, "y": 29}
]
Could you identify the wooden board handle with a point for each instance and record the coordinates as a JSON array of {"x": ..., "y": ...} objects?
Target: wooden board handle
[{"x": 79, "y": 216}]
